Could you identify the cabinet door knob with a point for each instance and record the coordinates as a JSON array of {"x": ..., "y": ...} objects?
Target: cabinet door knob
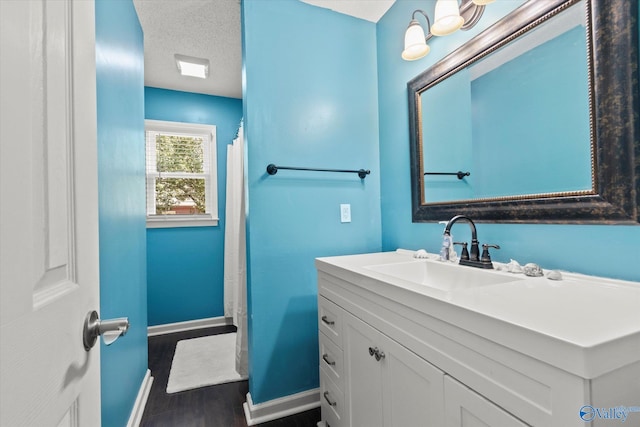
[
  {"x": 327, "y": 321},
  {"x": 329, "y": 401},
  {"x": 329, "y": 362},
  {"x": 377, "y": 353}
]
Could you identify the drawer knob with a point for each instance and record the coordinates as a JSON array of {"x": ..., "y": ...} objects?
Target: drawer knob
[
  {"x": 328, "y": 360},
  {"x": 329, "y": 401},
  {"x": 327, "y": 321},
  {"x": 379, "y": 355}
]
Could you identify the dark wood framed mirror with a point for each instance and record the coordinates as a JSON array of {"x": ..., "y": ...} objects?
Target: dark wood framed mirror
[{"x": 606, "y": 160}]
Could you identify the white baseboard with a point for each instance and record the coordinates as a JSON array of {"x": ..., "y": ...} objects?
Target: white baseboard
[
  {"x": 279, "y": 408},
  {"x": 170, "y": 328},
  {"x": 141, "y": 401}
]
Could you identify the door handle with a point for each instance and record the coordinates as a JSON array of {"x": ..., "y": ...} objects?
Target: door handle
[{"x": 110, "y": 329}]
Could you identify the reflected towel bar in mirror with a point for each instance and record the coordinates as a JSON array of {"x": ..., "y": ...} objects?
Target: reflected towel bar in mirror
[
  {"x": 459, "y": 174},
  {"x": 273, "y": 169}
]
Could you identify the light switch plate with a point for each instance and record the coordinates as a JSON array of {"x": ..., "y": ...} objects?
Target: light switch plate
[{"x": 345, "y": 213}]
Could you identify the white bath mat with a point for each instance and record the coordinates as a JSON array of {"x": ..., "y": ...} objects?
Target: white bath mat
[{"x": 204, "y": 361}]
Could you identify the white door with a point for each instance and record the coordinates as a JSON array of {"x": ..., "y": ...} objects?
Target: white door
[{"x": 48, "y": 213}]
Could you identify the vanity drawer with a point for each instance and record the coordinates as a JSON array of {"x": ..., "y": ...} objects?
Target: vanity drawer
[
  {"x": 331, "y": 401},
  {"x": 329, "y": 418},
  {"x": 330, "y": 320},
  {"x": 331, "y": 360}
]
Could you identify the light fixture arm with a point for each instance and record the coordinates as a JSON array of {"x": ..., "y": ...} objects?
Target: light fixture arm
[{"x": 423, "y": 13}]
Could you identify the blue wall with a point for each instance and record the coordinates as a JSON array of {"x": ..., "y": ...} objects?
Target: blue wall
[
  {"x": 310, "y": 99},
  {"x": 602, "y": 250},
  {"x": 448, "y": 148},
  {"x": 185, "y": 265},
  {"x": 121, "y": 192},
  {"x": 557, "y": 68}
]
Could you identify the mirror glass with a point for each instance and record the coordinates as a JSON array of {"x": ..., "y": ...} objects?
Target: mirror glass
[
  {"x": 516, "y": 120},
  {"x": 534, "y": 119}
]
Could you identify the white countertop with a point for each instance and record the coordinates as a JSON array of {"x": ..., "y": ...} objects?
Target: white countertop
[{"x": 584, "y": 324}]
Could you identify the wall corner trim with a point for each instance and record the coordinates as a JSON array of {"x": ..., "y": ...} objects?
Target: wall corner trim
[
  {"x": 141, "y": 401},
  {"x": 281, "y": 407},
  {"x": 170, "y": 328}
]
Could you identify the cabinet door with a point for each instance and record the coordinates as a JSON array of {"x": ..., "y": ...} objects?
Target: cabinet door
[
  {"x": 363, "y": 374},
  {"x": 396, "y": 388},
  {"x": 413, "y": 389},
  {"x": 466, "y": 408}
]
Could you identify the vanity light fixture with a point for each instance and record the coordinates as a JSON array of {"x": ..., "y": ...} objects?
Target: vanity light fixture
[
  {"x": 415, "y": 42},
  {"x": 447, "y": 19},
  {"x": 450, "y": 16},
  {"x": 191, "y": 66}
]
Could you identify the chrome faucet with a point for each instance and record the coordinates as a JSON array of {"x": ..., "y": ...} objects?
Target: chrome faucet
[{"x": 472, "y": 259}]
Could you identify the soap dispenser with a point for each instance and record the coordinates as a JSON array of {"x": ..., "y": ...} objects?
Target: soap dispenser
[
  {"x": 447, "y": 252},
  {"x": 447, "y": 242}
]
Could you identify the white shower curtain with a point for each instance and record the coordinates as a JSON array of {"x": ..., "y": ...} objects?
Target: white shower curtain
[{"x": 235, "y": 259}]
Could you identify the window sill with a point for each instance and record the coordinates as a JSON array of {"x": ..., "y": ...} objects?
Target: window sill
[{"x": 177, "y": 222}]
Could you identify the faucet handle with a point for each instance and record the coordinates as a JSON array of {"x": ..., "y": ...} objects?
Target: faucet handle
[
  {"x": 485, "y": 252},
  {"x": 465, "y": 253}
]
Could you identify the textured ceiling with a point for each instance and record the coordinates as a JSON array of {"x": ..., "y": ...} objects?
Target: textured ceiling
[
  {"x": 202, "y": 28},
  {"x": 370, "y": 10},
  {"x": 211, "y": 29}
]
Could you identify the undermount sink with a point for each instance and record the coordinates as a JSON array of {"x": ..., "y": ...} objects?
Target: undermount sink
[{"x": 441, "y": 275}]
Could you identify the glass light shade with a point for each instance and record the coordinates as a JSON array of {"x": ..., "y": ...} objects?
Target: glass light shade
[
  {"x": 482, "y": 2},
  {"x": 447, "y": 18},
  {"x": 415, "y": 46}
]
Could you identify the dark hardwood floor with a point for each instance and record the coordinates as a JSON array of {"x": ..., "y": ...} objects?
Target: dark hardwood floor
[{"x": 214, "y": 406}]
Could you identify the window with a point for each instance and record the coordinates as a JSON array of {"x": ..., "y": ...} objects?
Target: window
[{"x": 181, "y": 174}]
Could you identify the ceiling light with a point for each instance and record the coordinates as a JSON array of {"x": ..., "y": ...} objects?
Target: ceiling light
[{"x": 193, "y": 67}]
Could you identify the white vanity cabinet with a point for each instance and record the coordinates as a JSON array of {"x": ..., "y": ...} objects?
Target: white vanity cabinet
[
  {"x": 395, "y": 354},
  {"x": 372, "y": 380}
]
